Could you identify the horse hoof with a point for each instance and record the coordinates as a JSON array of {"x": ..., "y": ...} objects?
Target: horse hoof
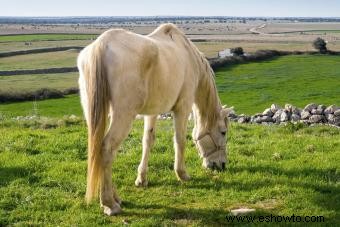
[
  {"x": 182, "y": 176},
  {"x": 141, "y": 183},
  {"x": 118, "y": 200},
  {"x": 112, "y": 211}
]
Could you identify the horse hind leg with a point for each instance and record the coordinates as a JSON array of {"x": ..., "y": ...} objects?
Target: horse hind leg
[
  {"x": 148, "y": 141},
  {"x": 118, "y": 130}
]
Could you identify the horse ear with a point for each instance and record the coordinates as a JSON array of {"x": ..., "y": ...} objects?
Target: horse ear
[{"x": 226, "y": 111}]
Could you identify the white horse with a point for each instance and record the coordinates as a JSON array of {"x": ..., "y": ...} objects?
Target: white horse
[{"x": 123, "y": 74}]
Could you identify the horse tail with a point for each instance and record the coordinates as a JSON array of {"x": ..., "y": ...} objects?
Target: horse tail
[{"x": 96, "y": 95}]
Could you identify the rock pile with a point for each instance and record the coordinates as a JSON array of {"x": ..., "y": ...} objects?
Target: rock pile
[{"x": 311, "y": 114}]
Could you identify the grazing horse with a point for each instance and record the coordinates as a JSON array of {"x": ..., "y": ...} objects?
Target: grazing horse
[{"x": 123, "y": 74}]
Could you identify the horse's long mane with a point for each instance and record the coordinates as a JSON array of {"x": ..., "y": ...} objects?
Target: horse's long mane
[{"x": 207, "y": 100}]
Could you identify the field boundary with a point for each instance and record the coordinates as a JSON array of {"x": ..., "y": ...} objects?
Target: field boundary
[
  {"x": 40, "y": 94},
  {"x": 215, "y": 63},
  {"x": 50, "y": 33},
  {"x": 38, "y": 51},
  {"x": 260, "y": 55},
  {"x": 39, "y": 71}
]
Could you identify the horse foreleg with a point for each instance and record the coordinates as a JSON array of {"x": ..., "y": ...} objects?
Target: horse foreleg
[
  {"x": 180, "y": 121},
  {"x": 148, "y": 141},
  {"x": 117, "y": 132}
]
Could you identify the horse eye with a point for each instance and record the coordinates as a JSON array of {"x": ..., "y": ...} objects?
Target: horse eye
[{"x": 223, "y": 133}]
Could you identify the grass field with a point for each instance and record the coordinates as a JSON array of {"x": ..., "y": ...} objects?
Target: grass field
[
  {"x": 276, "y": 170},
  {"x": 211, "y": 49},
  {"x": 250, "y": 88},
  {"x": 55, "y": 108},
  {"x": 24, "y": 83},
  {"x": 40, "y": 61},
  {"x": 45, "y": 37},
  {"x": 279, "y": 170},
  {"x": 14, "y": 46},
  {"x": 298, "y": 80}
]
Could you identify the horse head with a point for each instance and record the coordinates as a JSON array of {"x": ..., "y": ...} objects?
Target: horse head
[{"x": 211, "y": 144}]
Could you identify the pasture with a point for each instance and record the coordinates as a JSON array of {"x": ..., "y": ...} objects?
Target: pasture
[
  {"x": 279, "y": 170},
  {"x": 44, "y": 37},
  {"x": 298, "y": 80},
  {"x": 40, "y": 61},
  {"x": 26, "y": 83},
  {"x": 14, "y": 46},
  {"x": 54, "y": 108},
  {"x": 276, "y": 170}
]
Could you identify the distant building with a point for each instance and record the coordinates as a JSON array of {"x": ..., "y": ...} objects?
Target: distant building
[{"x": 225, "y": 53}]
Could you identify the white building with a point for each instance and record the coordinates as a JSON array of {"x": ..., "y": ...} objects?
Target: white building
[{"x": 225, "y": 53}]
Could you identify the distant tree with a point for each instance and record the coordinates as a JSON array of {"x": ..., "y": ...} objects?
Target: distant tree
[
  {"x": 320, "y": 44},
  {"x": 238, "y": 51}
]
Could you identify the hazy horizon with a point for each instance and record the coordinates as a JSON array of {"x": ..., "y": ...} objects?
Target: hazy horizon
[
  {"x": 175, "y": 16},
  {"x": 240, "y": 8}
]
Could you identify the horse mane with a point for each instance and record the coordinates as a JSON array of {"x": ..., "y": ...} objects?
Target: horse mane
[{"x": 207, "y": 100}]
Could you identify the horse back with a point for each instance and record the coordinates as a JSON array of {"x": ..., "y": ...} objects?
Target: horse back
[{"x": 150, "y": 71}]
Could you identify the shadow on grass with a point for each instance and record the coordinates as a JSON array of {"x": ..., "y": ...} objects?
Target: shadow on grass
[
  {"x": 9, "y": 174},
  {"x": 176, "y": 215},
  {"x": 208, "y": 216},
  {"x": 323, "y": 183}
]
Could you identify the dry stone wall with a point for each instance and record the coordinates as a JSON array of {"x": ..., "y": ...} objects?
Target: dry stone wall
[{"x": 310, "y": 114}]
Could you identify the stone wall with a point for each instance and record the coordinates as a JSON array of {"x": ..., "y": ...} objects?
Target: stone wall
[{"x": 311, "y": 114}]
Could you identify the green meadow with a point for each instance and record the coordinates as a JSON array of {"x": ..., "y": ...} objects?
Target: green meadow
[
  {"x": 40, "y": 61},
  {"x": 249, "y": 87},
  {"x": 298, "y": 80},
  {"x": 27, "y": 83},
  {"x": 281, "y": 170},
  {"x": 277, "y": 170}
]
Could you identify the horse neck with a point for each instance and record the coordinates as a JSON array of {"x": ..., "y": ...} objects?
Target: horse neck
[{"x": 207, "y": 103}]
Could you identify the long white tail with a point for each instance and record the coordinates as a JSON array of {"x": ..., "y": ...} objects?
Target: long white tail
[{"x": 96, "y": 96}]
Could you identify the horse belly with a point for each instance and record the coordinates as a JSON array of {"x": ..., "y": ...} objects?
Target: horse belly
[
  {"x": 159, "y": 104},
  {"x": 163, "y": 97}
]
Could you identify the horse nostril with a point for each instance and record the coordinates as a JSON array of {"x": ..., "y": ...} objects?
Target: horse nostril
[
  {"x": 223, "y": 165},
  {"x": 210, "y": 166}
]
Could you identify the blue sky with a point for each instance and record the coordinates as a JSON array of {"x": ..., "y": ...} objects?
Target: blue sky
[{"x": 270, "y": 8}]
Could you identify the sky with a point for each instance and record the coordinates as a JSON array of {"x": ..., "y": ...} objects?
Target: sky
[{"x": 265, "y": 8}]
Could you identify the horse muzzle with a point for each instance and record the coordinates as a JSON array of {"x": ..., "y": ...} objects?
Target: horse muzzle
[{"x": 214, "y": 165}]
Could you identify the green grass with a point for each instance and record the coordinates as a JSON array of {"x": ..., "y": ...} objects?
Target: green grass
[
  {"x": 250, "y": 88},
  {"x": 25, "y": 83},
  {"x": 45, "y": 37},
  {"x": 51, "y": 108},
  {"x": 276, "y": 170},
  {"x": 40, "y": 61},
  {"x": 298, "y": 80}
]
